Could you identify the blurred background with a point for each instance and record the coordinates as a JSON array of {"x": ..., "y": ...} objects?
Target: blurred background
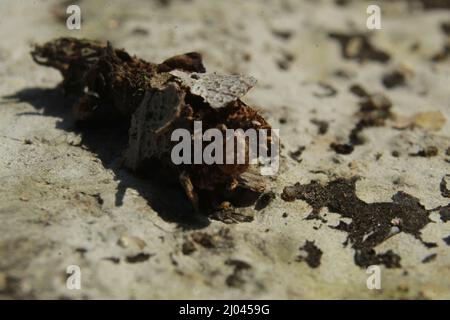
[{"x": 315, "y": 62}]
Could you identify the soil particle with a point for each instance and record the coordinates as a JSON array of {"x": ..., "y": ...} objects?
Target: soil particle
[
  {"x": 264, "y": 200},
  {"x": 219, "y": 240},
  {"x": 434, "y": 4},
  {"x": 343, "y": 74},
  {"x": 295, "y": 155},
  {"x": 445, "y": 27},
  {"x": 140, "y": 31},
  {"x": 311, "y": 254},
  {"x": 322, "y": 126},
  {"x": 445, "y": 213},
  {"x": 447, "y": 240},
  {"x": 394, "y": 79},
  {"x": 285, "y": 61},
  {"x": 140, "y": 257},
  {"x": 428, "y": 152},
  {"x": 342, "y": 148},
  {"x": 230, "y": 216},
  {"x": 114, "y": 260},
  {"x": 328, "y": 91},
  {"x": 368, "y": 257},
  {"x": 236, "y": 279},
  {"x": 445, "y": 192},
  {"x": 357, "y": 46},
  {"x": 443, "y": 54},
  {"x": 429, "y": 258},
  {"x": 371, "y": 223},
  {"x": 188, "y": 247},
  {"x": 282, "y": 34},
  {"x": 359, "y": 91},
  {"x": 374, "y": 111},
  {"x": 81, "y": 251}
]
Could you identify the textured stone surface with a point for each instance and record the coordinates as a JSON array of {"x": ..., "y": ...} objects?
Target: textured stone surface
[{"x": 64, "y": 198}]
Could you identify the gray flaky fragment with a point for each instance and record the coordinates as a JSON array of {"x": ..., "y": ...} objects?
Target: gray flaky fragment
[
  {"x": 217, "y": 90},
  {"x": 150, "y": 123}
]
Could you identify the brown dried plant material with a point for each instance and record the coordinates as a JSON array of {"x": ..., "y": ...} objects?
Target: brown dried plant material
[{"x": 155, "y": 99}]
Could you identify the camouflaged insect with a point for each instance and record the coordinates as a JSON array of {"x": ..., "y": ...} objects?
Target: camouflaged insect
[{"x": 155, "y": 99}]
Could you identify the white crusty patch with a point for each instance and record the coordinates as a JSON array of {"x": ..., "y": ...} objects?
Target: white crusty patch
[{"x": 217, "y": 90}]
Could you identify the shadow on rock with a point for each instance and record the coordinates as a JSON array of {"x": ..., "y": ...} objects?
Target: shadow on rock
[{"x": 108, "y": 140}]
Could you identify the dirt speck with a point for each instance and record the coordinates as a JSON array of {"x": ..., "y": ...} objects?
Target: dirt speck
[
  {"x": 368, "y": 257},
  {"x": 357, "y": 46},
  {"x": 445, "y": 192},
  {"x": 444, "y": 212},
  {"x": 342, "y": 148},
  {"x": 236, "y": 279},
  {"x": 358, "y": 91},
  {"x": 429, "y": 258},
  {"x": 264, "y": 200},
  {"x": 327, "y": 90},
  {"x": 447, "y": 240},
  {"x": 140, "y": 257},
  {"x": 311, "y": 254},
  {"x": 322, "y": 126},
  {"x": 428, "y": 152},
  {"x": 296, "y": 155},
  {"x": 393, "y": 79}
]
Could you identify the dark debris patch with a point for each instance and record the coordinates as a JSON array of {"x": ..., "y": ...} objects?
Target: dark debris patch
[
  {"x": 374, "y": 110},
  {"x": 328, "y": 91},
  {"x": 434, "y": 4},
  {"x": 296, "y": 155},
  {"x": 444, "y": 212},
  {"x": 447, "y": 240},
  {"x": 236, "y": 279},
  {"x": 322, "y": 126},
  {"x": 140, "y": 257},
  {"x": 311, "y": 254},
  {"x": 114, "y": 260},
  {"x": 282, "y": 34},
  {"x": 264, "y": 200},
  {"x": 359, "y": 91},
  {"x": 371, "y": 223},
  {"x": 443, "y": 54},
  {"x": 368, "y": 257},
  {"x": 221, "y": 239},
  {"x": 428, "y": 152},
  {"x": 393, "y": 79},
  {"x": 230, "y": 216},
  {"x": 445, "y": 192},
  {"x": 357, "y": 46},
  {"x": 342, "y": 148},
  {"x": 429, "y": 258},
  {"x": 425, "y": 4},
  {"x": 445, "y": 27},
  {"x": 285, "y": 61}
]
